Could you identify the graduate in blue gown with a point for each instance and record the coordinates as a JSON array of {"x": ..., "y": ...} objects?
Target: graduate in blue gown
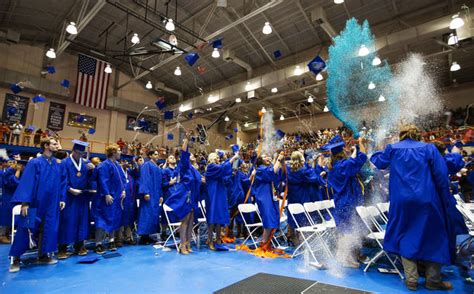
[
  {"x": 150, "y": 193},
  {"x": 74, "y": 218},
  {"x": 93, "y": 184},
  {"x": 111, "y": 192},
  {"x": 184, "y": 199},
  {"x": 216, "y": 201},
  {"x": 417, "y": 228},
  {"x": 348, "y": 194},
  {"x": 39, "y": 193},
  {"x": 265, "y": 176},
  {"x": 10, "y": 178},
  {"x": 243, "y": 175},
  {"x": 170, "y": 177},
  {"x": 129, "y": 204}
]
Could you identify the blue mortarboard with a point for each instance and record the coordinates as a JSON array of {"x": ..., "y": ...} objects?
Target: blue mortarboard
[
  {"x": 220, "y": 153},
  {"x": 190, "y": 115},
  {"x": 221, "y": 247},
  {"x": 235, "y": 148},
  {"x": 111, "y": 255},
  {"x": 30, "y": 221},
  {"x": 79, "y": 145},
  {"x": 280, "y": 134},
  {"x": 126, "y": 157},
  {"x": 31, "y": 128},
  {"x": 80, "y": 118},
  {"x": 191, "y": 58},
  {"x": 38, "y": 99},
  {"x": 91, "y": 131},
  {"x": 15, "y": 88},
  {"x": 458, "y": 144},
  {"x": 143, "y": 123},
  {"x": 65, "y": 83},
  {"x": 336, "y": 145},
  {"x": 11, "y": 110},
  {"x": 236, "y": 130},
  {"x": 259, "y": 137},
  {"x": 160, "y": 103},
  {"x": 168, "y": 115},
  {"x": 88, "y": 260},
  {"x": 277, "y": 54},
  {"x": 217, "y": 43},
  {"x": 193, "y": 139},
  {"x": 51, "y": 69},
  {"x": 170, "y": 137},
  {"x": 298, "y": 138},
  {"x": 316, "y": 65}
]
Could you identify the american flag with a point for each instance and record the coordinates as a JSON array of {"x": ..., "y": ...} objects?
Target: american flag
[{"x": 92, "y": 82}]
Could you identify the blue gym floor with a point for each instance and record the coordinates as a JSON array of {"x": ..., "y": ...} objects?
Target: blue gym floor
[{"x": 145, "y": 269}]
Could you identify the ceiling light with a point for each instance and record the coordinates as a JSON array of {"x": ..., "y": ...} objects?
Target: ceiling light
[
  {"x": 170, "y": 25},
  {"x": 212, "y": 98},
  {"x": 50, "y": 53},
  {"x": 298, "y": 71},
  {"x": 248, "y": 87},
  {"x": 371, "y": 86},
  {"x": 274, "y": 90},
  {"x": 263, "y": 110},
  {"x": 209, "y": 109},
  {"x": 363, "y": 51},
  {"x": 238, "y": 100},
  {"x": 376, "y": 61},
  {"x": 381, "y": 98},
  {"x": 456, "y": 22},
  {"x": 282, "y": 117},
  {"x": 226, "y": 118},
  {"x": 149, "y": 85},
  {"x": 338, "y": 1},
  {"x": 135, "y": 39},
  {"x": 71, "y": 28},
  {"x": 453, "y": 39},
  {"x": 267, "y": 29},
  {"x": 221, "y": 3},
  {"x": 246, "y": 124},
  {"x": 455, "y": 66},
  {"x": 177, "y": 71},
  {"x": 319, "y": 77},
  {"x": 215, "y": 53},
  {"x": 310, "y": 99},
  {"x": 108, "y": 69},
  {"x": 173, "y": 40},
  {"x": 181, "y": 108},
  {"x": 326, "y": 109}
]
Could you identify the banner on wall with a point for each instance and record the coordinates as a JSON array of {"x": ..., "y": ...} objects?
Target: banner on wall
[
  {"x": 80, "y": 120},
  {"x": 19, "y": 104},
  {"x": 56, "y": 116},
  {"x": 147, "y": 124}
]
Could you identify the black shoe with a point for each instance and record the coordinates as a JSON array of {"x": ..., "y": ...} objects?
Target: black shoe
[
  {"x": 112, "y": 246},
  {"x": 47, "y": 260},
  {"x": 15, "y": 267},
  {"x": 145, "y": 240},
  {"x": 130, "y": 242},
  {"x": 119, "y": 244},
  {"x": 99, "y": 249},
  {"x": 164, "y": 236}
]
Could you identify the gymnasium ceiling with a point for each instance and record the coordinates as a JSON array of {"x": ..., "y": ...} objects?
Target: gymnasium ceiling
[{"x": 294, "y": 34}]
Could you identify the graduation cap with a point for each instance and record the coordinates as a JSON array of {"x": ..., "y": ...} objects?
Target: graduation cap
[
  {"x": 65, "y": 83},
  {"x": 191, "y": 58},
  {"x": 220, "y": 153},
  {"x": 143, "y": 123},
  {"x": 126, "y": 157},
  {"x": 221, "y": 247},
  {"x": 190, "y": 115},
  {"x": 111, "y": 255},
  {"x": 79, "y": 145},
  {"x": 16, "y": 88},
  {"x": 30, "y": 128},
  {"x": 168, "y": 115},
  {"x": 236, "y": 130},
  {"x": 298, "y": 138},
  {"x": 170, "y": 137},
  {"x": 12, "y": 110},
  {"x": 217, "y": 43},
  {"x": 459, "y": 144},
  {"x": 235, "y": 148},
  {"x": 51, "y": 69},
  {"x": 88, "y": 260},
  {"x": 80, "y": 118},
  {"x": 160, "y": 103},
  {"x": 316, "y": 65},
  {"x": 228, "y": 137},
  {"x": 91, "y": 131},
  {"x": 30, "y": 221},
  {"x": 280, "y": 134},
  {"x": 335, "y": 145},
  {"x": 277, "y": 54},
  {"x": 38, "y": 99}
]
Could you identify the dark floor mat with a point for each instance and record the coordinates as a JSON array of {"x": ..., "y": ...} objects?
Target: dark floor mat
[{"x": 264, "y": 283}]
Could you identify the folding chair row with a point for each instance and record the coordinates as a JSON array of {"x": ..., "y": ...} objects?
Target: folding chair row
[
  {"x": 369, "y": 216},
  {"x": 248, "y": 208}
]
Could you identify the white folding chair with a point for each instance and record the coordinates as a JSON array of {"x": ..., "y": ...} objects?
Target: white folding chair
[
  {"x": 329, "y": 233},
  {"x": 15, "y": 211},
  {"x": 368, "y": 216},
  {"x": 460, "y": 201},
  {"x": 468, "y": 217},
  {"x": 201, "y": 221},
  {"x": 172, "y": 226},
  {"x": 383, "y": 208},
  {"x": 314, "y": 233},
  {"x": 248, "y": 208},
  {"x": 324, "y": 211},
  {"x": 283, "y": 219}
]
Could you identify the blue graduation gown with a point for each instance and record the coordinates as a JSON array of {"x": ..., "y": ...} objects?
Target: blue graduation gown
[
  {"x": 216, "y": 200},
  {"x": 111, "y": 181},
  {"x": 168, "y": 174},
  {"x": 187, "y": 193},
  {"x": 151, "y": 177},
  {"x": 417, "y": 227},
  {"x": 454, "y": 163},
  {"x": 347, "y": 190},
  {"x": 129, "y": 203},
  {"x": 74, "y": 218},
  {"x": 41, "y": 185},
  {"x": 9, "y": 184},
  {"x": 263, "y": 191}
]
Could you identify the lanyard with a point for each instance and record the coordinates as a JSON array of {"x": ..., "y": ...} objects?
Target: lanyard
[{"x": 78, "y": 166}]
